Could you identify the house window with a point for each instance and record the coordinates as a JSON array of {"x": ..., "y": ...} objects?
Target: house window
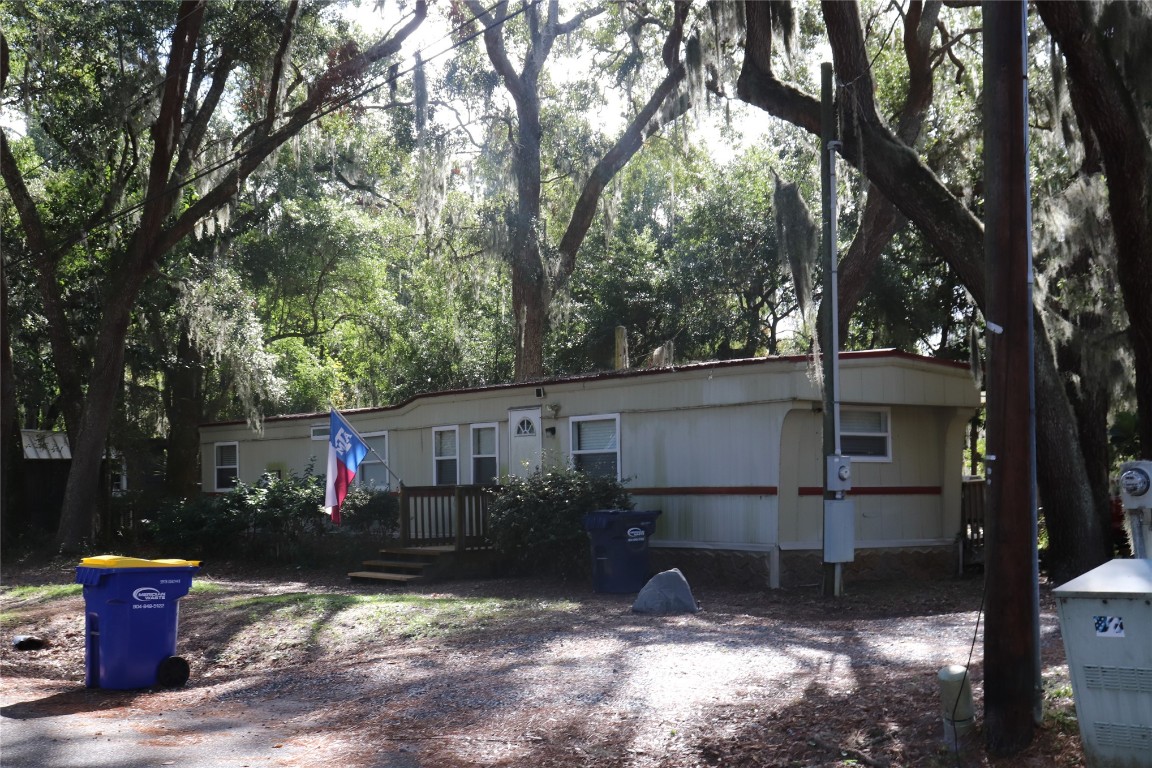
[
  {"x": 321, "y": 432},
  {"x": 485, "y": 467},
  {"x": 444, "y": 466},
  {"x": 525, "y": 428},
  {"x": 373, "y": 471},
  {"x": 865, "y": 434},
  {"x": 227, "y": 465},
  {"x": 117, "y": 475},
  {"x": 596, "y": 445}
]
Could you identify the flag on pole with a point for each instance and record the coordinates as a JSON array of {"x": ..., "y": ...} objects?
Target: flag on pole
[{"x": 346, "y": 449}]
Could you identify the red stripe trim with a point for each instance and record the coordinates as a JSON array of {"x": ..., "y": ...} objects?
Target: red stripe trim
[
  {"x": 692, "y": 490},
  {"x": 879, "y": 490}
]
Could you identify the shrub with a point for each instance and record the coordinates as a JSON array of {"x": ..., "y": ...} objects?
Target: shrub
[
  {"x": 273, "y": 519},
  {"x": 203, "y": 526},
  {"x": 537, "y": 523},
  {"x": 371, "y": 510},
  {"x": 287, "y": 509}
]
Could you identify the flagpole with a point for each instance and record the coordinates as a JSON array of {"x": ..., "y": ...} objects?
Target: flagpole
[{"x": 367, "y": 445}]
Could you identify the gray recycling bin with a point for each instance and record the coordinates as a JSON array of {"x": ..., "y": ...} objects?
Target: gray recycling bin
[{"x": 619, "y": 539}]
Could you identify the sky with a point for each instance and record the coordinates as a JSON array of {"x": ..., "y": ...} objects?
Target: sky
[{"x": 434, "y": 41}]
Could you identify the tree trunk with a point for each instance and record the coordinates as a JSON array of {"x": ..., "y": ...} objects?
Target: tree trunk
[
  {"x": 1106, "y": 102},
  {"x": 175, "y": 144},
  {"x": 185, "y": 411},
  {"x": 1089, "y": 394},
  {"x": 951, "y": 229},
  {"x": 530, "y": 290},
  {"x": 11, "y": 447},
  {"x": 1075, "y": 543},
  {"x": 531, "y": 307},
  {"x": 532, "y": 283},
  {"x": 77, "y": 514}
]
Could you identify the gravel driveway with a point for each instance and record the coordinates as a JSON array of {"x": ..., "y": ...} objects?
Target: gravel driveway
[{"x": 557, "y": 677}]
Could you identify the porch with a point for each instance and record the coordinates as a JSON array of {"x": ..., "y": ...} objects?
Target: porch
[{"x": 443, "y": 532}]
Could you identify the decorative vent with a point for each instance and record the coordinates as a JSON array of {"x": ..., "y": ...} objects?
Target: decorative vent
[
  {"x": 1136, "y": 679},
  {"x": 1121, "y": 735}
]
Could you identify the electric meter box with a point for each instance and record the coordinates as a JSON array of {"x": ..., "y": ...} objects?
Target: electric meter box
[
  {"x": 1136, "y": 498},
  {"x": 839, "y": 473},
  {"x": 1136, "y": 484},
  {"x": 1106, "y": 622},
  {"x": 839, "y": 531}
]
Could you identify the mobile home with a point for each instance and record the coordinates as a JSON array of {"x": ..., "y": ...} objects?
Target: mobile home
[{"x": 730, "y": 452}]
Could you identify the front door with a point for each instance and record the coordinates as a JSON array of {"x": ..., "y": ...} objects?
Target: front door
[{"x": 524, "y": 444}]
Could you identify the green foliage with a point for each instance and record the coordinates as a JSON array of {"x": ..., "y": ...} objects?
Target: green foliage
[
  {"x": 287, "y": 509},
  {"x": 272, "y": 519},
  {"x": 367, "y": 510},
  {"x": 913, "y": 303},
  {"x": 690, "y": 254},
  {"x": 537, "y": 523},
  {"x": 1123, "y": 438},
  {"x": 202, "y": 526}
]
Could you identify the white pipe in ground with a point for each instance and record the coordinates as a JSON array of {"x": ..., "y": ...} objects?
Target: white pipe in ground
[{"x": 956, "y": 702}]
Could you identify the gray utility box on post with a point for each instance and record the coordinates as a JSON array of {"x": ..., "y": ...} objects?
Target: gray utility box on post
[{"x": 1106, "y": 621}]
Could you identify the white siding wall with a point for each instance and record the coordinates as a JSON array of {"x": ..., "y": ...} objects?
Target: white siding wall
[{"x": 744, "y": 426}]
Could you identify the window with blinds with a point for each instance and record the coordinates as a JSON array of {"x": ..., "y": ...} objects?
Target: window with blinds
[
  {"x": 865, "y": 434},
  {"x": 373, "y": 472},
  {"x": 444, "y": 456},
  {"x": 596, "y": 445},
  {"x": 227, "y": 465},
  {"x": 485, "y": 464}
]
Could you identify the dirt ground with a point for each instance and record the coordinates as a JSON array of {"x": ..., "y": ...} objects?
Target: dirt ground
[{"x": 295, "y": 668}]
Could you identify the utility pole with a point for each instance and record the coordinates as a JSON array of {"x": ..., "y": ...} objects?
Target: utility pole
[
  {"x": 1010, "y": 633},
  {"x": 838, "y": 513}
]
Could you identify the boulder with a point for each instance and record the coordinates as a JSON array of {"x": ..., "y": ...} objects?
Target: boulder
[
  {"x": 28, "y": 643},
  {"x": 666, "y": 592}
]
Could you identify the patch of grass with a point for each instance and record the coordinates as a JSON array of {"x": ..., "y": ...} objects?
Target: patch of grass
[
  {"x": 1060, "y": 705},
  {"x": 43, "y": 592},
  {"x": 206, "y": 587},
  {"x": 296, "y": 602},
  {"x": 416, "y": 616},
  {"x": 405, "y": 616}
]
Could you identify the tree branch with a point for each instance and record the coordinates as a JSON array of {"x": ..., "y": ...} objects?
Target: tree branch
[
  {"x": 65, "y": 354},
  {"x": 494, "y": 43},
  {"x": 318, "y": 98},
  {"x": 646, "y": 121}
]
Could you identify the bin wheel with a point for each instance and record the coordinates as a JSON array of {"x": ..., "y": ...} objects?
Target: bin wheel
[{"x": 172, "y": 673}]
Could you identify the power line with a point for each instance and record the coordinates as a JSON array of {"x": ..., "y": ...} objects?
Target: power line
[{"x": 322, "y": 111}]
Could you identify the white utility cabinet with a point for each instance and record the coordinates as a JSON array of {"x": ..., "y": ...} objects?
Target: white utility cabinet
[{"x": 1106, "y": 622}]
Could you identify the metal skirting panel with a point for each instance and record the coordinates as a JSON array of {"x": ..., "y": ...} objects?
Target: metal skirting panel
[{"x": 1123, "y": 736}]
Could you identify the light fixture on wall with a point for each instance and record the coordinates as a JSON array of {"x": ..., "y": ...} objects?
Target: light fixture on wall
[{"x": 553, "y": 408}]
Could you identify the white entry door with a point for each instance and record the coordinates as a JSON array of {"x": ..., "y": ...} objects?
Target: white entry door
[{"x": 523, "y": 441}]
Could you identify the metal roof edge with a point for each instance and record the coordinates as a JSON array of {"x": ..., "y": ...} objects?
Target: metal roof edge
[{"x": 629, "y": 373}]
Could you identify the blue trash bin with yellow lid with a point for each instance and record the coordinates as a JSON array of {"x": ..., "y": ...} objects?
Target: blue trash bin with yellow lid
[{"x": 132, "y": 613}]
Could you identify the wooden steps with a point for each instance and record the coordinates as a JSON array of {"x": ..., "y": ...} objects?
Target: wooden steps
[
  {"x": 400, "y": 565},
  {"x": 397, "y": 578},
  {"x": 403, "y": 565}
]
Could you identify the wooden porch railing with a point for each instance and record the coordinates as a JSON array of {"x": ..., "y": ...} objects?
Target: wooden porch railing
[
  {"x": 971, "y": 536},
  {"x": 445, "y": 515}
]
